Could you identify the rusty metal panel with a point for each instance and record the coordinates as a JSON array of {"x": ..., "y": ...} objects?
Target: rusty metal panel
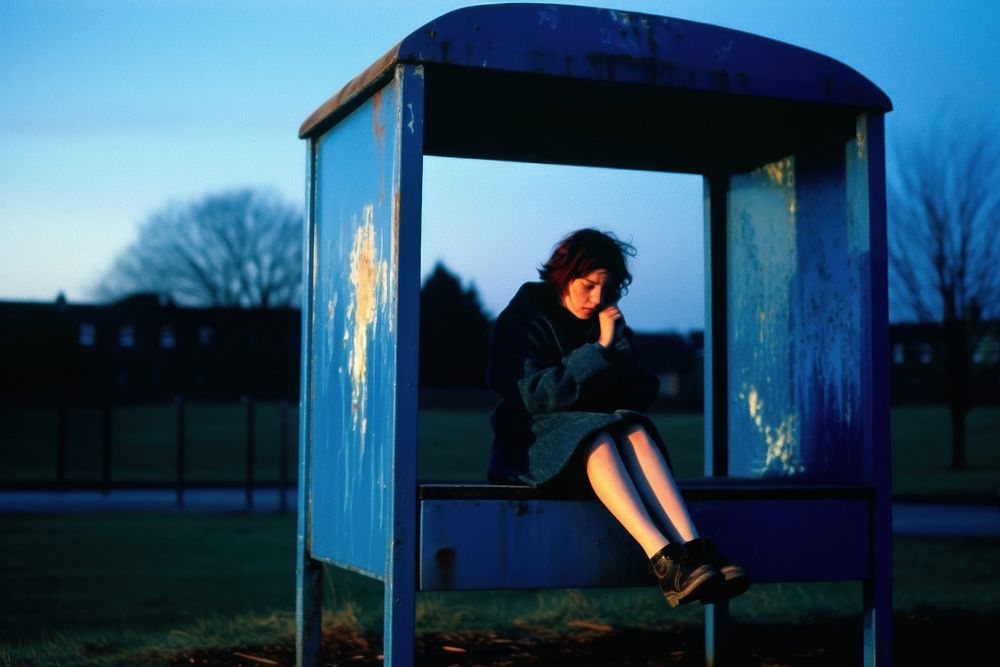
[
  {"x": 500, "y": 544},
  {"x": 798, "y": 311},
  {"x": 353, "y": 282}
]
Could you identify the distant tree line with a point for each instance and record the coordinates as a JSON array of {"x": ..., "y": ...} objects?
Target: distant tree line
[{"x": 454, "y": 332}]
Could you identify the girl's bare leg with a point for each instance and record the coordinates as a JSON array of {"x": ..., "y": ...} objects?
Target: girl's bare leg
[
  {"x": 614, "y": 488},
  {"x": 655, "y": 483}
]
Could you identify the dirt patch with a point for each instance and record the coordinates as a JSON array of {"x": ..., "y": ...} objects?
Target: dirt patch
[{"x": 922, "y": 637}]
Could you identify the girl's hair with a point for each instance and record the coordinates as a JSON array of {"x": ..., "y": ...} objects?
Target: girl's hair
[{"x": 585, "y": 251}]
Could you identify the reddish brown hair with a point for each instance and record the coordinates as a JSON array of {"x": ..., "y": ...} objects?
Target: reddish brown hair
[{"x": 585, "y": 251}]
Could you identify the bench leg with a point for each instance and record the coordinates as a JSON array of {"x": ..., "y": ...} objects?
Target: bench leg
[
  {"x": 877, "y": 625},
  {"x": 308, "y": 611},
  {"x": 716, "y": 633},
  {"x": 399, "y": 628}
]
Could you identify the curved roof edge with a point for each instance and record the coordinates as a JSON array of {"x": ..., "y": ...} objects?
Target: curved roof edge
[{"x": 614, "y": 46}]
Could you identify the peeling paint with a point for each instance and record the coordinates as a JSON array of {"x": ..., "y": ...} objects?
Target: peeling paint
[
  {"x": 781, "y": 454},
  {"x": 409, "y": 124},
  {"x": 391, "y": 283},
  {"x": 857, "y": 188},
  {"x": 781, "y": 172},
  {"x": 723, "y": 53},
  {"x": 331, "y": 308},
  {"x": 549, "y": 16},
  {"x": 378, "y": 127},
  {"x": 368, "y": 278}
]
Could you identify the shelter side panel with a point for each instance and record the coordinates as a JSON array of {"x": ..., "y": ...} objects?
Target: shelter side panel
[
  {"x": 798, "y": 309},
  {"x": 354, "y": 336}
]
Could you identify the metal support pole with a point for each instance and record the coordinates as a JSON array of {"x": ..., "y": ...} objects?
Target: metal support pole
[
  {"x": 61, "y": 448},
  {"x": 716, "y": 383},
  {"x": 249, "y": 452},
  {"x": 181, "y": 447},
  {"x": 878, "y": 587},
  {"x": 283, "y": 457},
  {"x": 106, "y": 449},
  {"x": 308, "y": 608},
  {"x": 716, "y": 633},
  {"x": 308, "y": 572}
]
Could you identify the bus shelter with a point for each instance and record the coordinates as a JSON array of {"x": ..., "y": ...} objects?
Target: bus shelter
[{"x": 791, "y": 147}]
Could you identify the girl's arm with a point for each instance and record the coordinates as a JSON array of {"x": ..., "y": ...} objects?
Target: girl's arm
[
  {"x": 521, "y": 369},
  {"x": 632, "y": 383}
]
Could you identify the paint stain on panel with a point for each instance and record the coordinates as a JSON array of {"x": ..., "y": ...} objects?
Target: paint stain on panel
[
  {"x": 781, "y": 456},
  {"x": 368, "y": 285},
  {"x": 378, "y": 125}
]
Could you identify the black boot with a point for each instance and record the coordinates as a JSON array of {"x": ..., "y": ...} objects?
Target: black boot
[
  {"x": 736, "y": 582},
  {"x": 681, "y": 579}
]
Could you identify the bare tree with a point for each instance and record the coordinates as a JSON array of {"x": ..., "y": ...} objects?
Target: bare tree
[
  {"x": 238, "y": 248},
  {"x": 945, "y": 249}
]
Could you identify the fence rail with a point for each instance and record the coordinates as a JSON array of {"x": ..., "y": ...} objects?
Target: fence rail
[{"x": 24, "y": 447}]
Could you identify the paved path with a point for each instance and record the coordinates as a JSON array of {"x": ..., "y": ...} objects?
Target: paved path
[
  {"x": 908, "y": 518},
  {"x": 144, "y": 500},
  {"x": 932, "y": 519}
]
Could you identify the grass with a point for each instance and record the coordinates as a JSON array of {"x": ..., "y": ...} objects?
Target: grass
[
  {"x": 453, "y": 444},
  {"x": 922, "y": 454},
  {"x": 143, "y": 589},
  {"x": 136, "y": 588}
]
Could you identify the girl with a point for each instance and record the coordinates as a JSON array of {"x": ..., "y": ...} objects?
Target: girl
[{"x": 571, "y": 390}]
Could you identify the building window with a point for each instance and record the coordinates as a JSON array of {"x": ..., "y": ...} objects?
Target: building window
[
  {"x": 204, "y": 335},
  {"x": 898, "y": 354},
  {"x": 167, "y": 338},
  {"x": 88, "y": 334},
  {"x": 987, "y": 352},
  {"x": 926, "y": 354},
  {"x": 126, "y": 336}
]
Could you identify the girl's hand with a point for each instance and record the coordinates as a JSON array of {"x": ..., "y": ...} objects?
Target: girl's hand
[{"x": 612, "y": 321}]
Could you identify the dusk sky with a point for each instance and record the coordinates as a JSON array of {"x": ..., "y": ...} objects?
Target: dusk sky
[{"x": 111, "y": 109}]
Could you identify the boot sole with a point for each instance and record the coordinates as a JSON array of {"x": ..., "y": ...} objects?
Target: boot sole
[
  {"x": 705, "y": 584},
  {"x": 729, "y": 589}
]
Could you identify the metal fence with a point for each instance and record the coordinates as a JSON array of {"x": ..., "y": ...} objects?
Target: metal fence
[{"x": 277, "y": 444}]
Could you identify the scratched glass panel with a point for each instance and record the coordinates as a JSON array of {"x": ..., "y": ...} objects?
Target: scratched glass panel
[
  {"x": 763, "y": 418},
  {"x": 859, "y": 252},
  {"x": 354, "y": 340},
  {"x": 798, "y": 316}
]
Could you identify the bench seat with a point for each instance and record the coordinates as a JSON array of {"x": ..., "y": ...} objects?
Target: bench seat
[{"x": 483, "y": 536}]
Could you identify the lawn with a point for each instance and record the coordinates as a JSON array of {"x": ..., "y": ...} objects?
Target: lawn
[
  {"x": 153, "y": 588},
  {"x": 139, "y": 588}
]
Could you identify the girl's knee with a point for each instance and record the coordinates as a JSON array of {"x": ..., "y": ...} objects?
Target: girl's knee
[
  {"x": 599, "y": 443},
  {"x": 636, "y": 431}
]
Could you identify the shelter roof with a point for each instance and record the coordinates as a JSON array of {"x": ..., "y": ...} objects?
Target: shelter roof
[{"x": 602, "y": 45}]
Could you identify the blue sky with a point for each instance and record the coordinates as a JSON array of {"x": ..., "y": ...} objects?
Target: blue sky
[{"x": 111, "y": 109}]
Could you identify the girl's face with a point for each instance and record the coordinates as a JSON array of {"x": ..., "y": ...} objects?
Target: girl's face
[{"x": 587, "y": 295}]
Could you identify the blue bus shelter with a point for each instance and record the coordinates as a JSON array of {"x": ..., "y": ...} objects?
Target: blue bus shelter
[{"x": 791, "y": 147}]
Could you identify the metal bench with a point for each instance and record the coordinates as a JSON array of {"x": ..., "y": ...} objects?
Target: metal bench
[{"x": 481, "y": 536}]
